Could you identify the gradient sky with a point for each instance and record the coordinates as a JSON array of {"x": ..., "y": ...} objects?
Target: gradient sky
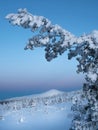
[{"x": 26, "y": 72}]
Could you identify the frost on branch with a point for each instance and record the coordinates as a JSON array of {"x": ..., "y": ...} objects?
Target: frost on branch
[
  {"x": 87, "y": 56},
  {"x": 86, "y": 52},
  {"x": 55, "y": 39}
]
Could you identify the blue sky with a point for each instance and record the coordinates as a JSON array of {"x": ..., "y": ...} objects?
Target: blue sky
[{"x": 26, "y": 72}]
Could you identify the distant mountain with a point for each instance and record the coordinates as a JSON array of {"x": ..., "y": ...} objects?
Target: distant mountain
[
  {"x": 51, "y": 96},
  {"x": 52, "y": 92}
]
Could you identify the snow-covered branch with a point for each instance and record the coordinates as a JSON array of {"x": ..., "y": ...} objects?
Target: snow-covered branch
[
  {"x": 55, "y": 39},
  {"x": 87, "y": 55}
]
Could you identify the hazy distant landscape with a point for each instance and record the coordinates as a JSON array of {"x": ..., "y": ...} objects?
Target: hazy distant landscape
[{"x": 50, "y": 110}]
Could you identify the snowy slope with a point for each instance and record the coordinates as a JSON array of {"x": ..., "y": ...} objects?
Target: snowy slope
[
  {"x": 50, "y": 110},
  {"x": 52, "y": 92}
]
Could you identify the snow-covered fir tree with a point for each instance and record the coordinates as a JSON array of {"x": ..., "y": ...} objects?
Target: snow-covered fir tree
[
  {"x": 56, "y": 41},
  {"x": 86, "y": 52}
]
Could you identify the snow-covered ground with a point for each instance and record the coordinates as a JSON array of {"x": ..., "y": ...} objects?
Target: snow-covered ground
[{"x": 46, "y": 111}]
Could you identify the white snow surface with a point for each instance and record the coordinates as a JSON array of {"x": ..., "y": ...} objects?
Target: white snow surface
[
  {"x": 52, "y": 93},
  {"x": 50, "y": 110}
]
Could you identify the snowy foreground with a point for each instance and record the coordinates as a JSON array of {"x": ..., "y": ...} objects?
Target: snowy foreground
[{"x": 46, "y": 111}]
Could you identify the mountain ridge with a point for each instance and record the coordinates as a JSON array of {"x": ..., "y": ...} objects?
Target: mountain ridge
[{"x": 49, "y": 93}]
